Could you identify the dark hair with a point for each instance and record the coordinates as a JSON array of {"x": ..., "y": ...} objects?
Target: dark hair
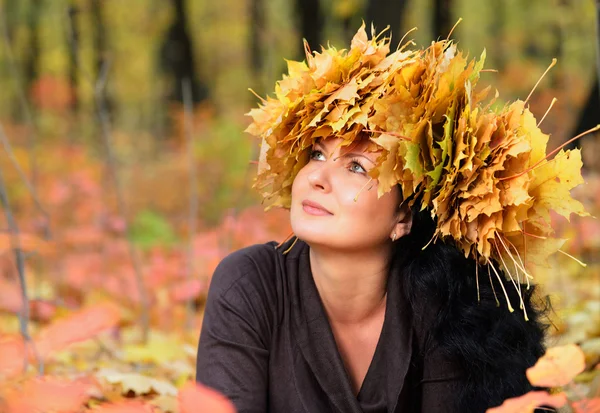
[{"x": 491, "y": 344}]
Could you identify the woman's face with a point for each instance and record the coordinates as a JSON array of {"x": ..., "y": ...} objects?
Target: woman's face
[{"x": 323, "y": 209}]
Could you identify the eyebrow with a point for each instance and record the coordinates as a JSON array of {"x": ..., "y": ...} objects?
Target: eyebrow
[{"x": 347, "y": 154}]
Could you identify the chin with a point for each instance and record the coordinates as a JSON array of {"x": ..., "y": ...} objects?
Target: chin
[
  {"x": 311, "y": 230},
  {"x": 321, "y": 235}
]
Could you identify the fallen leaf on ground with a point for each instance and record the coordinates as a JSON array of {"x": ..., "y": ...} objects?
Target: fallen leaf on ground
[
  {"x": 123, "y": 407},
  {"x": 557, "y": 367},
  {"x": 51, "y": 395},
  {"x": 12, "y": 356},
  {"x": 79, "y": 326},
  {"x": 587, "y": 405},
  {"x": 137, "y": 383}
]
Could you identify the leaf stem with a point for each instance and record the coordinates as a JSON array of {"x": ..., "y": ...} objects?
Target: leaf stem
[{"x": 540, "y": 79}]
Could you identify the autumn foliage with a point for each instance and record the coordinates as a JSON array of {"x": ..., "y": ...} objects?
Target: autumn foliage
[
  {"x": 84, "y": 308},
  {"x": 85, "y": 351},
  {"x": 484, "y": 174}
]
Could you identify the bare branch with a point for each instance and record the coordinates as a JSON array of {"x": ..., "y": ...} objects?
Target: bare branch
[
  {"x": 30, "y": 188},
  {"x": 20, "y": 263}
]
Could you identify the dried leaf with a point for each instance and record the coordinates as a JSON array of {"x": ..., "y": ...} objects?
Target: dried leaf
[
  {"x": 557, "y": 367},
  {"x": 26, "y": 242},
  {"x": 159, "y": 349},
  {"x": 137, "y": 383},
  {"x": 482, "y": 173},
  {"x": 81, "y": 325},
  {"x": 130, "y": 406},
  {"x": 12, "y": 356},
  {"x": 51, "y": 395},
  {"x": 587, "y": 405}
]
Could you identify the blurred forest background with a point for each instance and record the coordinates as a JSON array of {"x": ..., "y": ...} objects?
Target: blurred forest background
[{"x": 125, "y": 174}]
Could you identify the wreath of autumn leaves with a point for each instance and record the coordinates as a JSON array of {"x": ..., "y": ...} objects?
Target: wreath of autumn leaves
[{"x": 483, "y": 174}]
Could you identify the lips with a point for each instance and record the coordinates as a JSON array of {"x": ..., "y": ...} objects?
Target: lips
[{"x": 314, "y": 208}]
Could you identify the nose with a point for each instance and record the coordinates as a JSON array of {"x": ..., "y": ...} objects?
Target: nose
[{"x": 319, "y": 178}]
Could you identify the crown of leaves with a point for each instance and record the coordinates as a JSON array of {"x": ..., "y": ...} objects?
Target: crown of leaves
[{"x": 483, "y": 174}]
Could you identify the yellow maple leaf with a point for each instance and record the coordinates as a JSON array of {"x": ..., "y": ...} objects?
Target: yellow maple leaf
[
  {"x": 137, "y": 383},
  {"x": 158, "y": 350},
  {"x": 553, "y": 181}
]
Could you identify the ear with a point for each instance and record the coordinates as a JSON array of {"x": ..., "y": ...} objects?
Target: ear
[{"x": 403, "y": 222}]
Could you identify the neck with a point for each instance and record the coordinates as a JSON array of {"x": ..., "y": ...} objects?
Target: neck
[{"x": 352, "y": 285}]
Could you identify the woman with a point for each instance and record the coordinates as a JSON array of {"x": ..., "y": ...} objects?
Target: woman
[{"x": 396, "y": 292}]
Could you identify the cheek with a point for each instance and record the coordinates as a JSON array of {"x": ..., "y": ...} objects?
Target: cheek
[
  {"x": 300, "y": 189},
  {"x": 363, "y": 200},
  {"x": 369, "y": 213},
  {"x": 299, "y": 184}
]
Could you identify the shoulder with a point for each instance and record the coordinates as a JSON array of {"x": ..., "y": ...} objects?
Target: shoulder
[
  {"x": 243, "y": 293},
  {"x": 465, "y": 318},
  {"x": 492, "y": 344},
  {"x": 251, "y": 264}
]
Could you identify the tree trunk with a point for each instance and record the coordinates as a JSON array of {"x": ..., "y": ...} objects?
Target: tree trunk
[
  {"x": 310, "y": 23},
  {"x": 73, "y": 42},
  {"x": 9, "y": 23},
  {"x": 100, "y": 46},
  {"x": 442, "y": 18},
  {"x": 498, "y": 24},
  {"x": 383, "y": 13},
  {"x": 31, "y": 62},
  {"x": 589, "y": 115},
  {"x": 177, "y": 57},
  {"x": 9, "y": 10},
  {"x": 257, "y": 25}
]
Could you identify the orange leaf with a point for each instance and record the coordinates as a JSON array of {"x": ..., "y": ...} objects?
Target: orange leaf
[
  {"x": 587, "y": 405},
  {"x": 186, "y": 290},
  {"x": 557, "y": 367},
  {"x": 79, "y": 326},
  {"x": 10, "y": 301},
  {"x": 26, "y": 242},
  {"x": 124, "y": 407},
  {"x": 47, "y": 394},
  {"x": 12, "y": 356},
  {"x": 529, "y": 401},
  {"x": 10, "y": 296},
  {"x": 194, "y": 397},
  {"x": 41, "y": 310}
]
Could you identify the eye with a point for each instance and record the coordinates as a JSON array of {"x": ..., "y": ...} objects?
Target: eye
[
  {"x": 317, "y": 155},
  {"x": 356, "y": 167}
]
